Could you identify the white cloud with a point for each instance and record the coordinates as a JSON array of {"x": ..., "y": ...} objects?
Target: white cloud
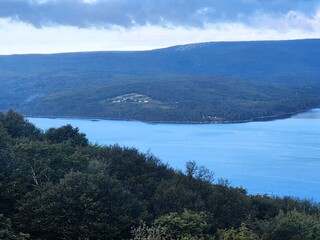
[
  {"x": 18, "y": 37},
  {"x": 90, "y": 1},
  {"x": 293, "y": 20}
]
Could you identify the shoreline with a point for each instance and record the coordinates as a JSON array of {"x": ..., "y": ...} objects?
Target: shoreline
[{"x": 255, "y": 119}]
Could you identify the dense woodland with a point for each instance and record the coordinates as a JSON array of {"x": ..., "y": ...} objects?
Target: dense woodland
[
  {"x": 179, "y": 99},
  {"x": 56, "y": 185},
  {"x": 165, "y": 99},
  {"x": 209, "y": 82}
]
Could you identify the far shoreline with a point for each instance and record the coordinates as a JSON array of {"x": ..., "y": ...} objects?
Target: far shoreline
[{"x": 256, "y": 119}]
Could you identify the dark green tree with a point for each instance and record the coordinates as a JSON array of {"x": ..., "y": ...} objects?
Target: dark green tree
[
  {"x": 81, "y": 206},
  {"x": 185, "y": 226},
  {"x": 228, "y": 207},
  {"x": 66, "y": 134},
  {"x": 6, "y": 231},
  {"x": 5, "y": 169},
  {"x": 293, "y": 225},
  {"x": 18, "y": 127},
  {"x": 37, "y": 163}
]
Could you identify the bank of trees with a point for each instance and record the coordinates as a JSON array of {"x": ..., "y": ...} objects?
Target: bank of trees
[
  {"x": 55, "y": 185},
  {"x": 201, "y": 99}
]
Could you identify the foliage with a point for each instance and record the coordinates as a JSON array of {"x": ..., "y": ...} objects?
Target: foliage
[
  {"x": 242, "y": 233},
  {"x": 201, "y": 173},
  {"x": 143, "y": 232},
  {"x": 179, "y": 99},
  {"x": 17, "y": 127},
  {"x": 6, "y": 231},
  {"x": 55, "y": 185},
  {"x": 80, "y": 206},
  {"x": 292, "y": 225},
  {"x": 65, "y": 134},
  {"x": 184, "y": 226}
]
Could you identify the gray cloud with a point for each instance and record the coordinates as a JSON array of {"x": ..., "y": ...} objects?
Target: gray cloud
[{"x": 128, "y": 13}]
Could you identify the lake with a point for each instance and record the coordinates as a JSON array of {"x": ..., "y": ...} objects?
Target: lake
[{"x": 280, "y": 157}]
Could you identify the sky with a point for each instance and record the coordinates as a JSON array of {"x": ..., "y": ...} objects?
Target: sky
[{"x": 51, "y": 26}]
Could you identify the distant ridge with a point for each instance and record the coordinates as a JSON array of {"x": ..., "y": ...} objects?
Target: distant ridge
[
  {"x": 255, "y": 60},
  {"x": 256, "y": 79}
]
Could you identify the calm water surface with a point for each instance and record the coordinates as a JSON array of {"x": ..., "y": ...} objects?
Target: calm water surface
[{"x": 279, "y": 157}]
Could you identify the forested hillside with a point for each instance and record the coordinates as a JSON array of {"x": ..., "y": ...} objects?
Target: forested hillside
[
  {"x": 56, "y": 185},
  {"x": 209, "y": 82}
]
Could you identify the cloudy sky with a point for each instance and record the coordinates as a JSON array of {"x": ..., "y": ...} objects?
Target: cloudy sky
[{"x": 47, "y": 26}]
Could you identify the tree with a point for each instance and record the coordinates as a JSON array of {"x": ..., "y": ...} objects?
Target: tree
[
  {"x": 199, "y": 172},
  {"x": 66, "y": 134},
  {"x": 242, "y": 233},
  {"x": 37, "y": 163},
  {"x": 227, "y": 206},
  {"x": 5, "y": 169},
  {"x": 184, "y": 226},
  {"x": 292, "y": 225},
  {"x": 6, "y": 231},
  {"x": 81, "y": 206},
  {"x": 17, "y": 126},
  {"x": 173, "y": 195},
  {"x": 143, "y": 232}
]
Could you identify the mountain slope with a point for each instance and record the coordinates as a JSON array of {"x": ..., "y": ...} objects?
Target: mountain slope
[
  {"x": 225, "y": 81},
  {"x": 249, "y": 60}
]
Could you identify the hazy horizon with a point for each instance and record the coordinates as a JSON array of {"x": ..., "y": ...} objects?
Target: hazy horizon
[{"x": 57, "y": 26}]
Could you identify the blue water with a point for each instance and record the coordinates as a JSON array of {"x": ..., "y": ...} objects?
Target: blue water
[{"x": 279, "y": 157}]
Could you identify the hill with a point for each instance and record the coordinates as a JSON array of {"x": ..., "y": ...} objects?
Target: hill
[{"x": 208, "y": 82}]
